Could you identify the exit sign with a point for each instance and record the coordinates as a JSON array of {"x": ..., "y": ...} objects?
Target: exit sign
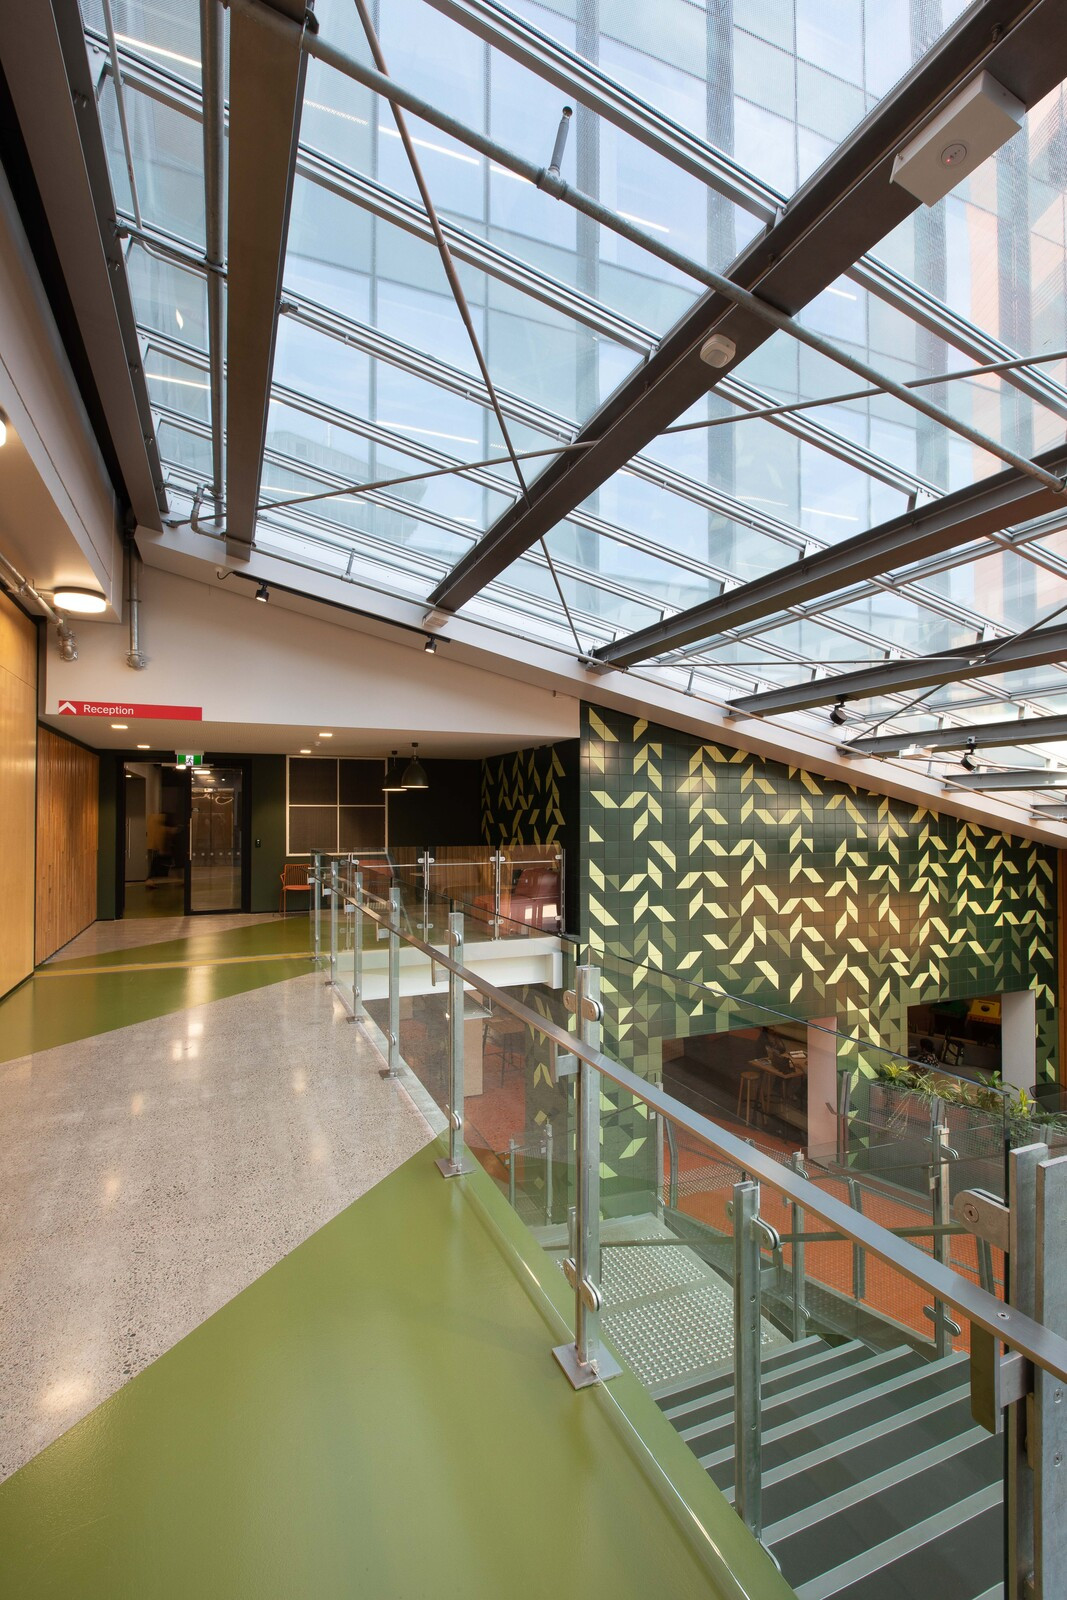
[{"x": 189, "y": 760}]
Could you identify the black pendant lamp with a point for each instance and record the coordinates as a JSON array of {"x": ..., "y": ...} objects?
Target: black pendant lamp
[
  {"x": 415, "y": 773},
  {"x": 393, "y": 782}
]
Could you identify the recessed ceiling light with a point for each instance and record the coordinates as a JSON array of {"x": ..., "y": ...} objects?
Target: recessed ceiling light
[
  {"x": 85, "y": 602},
  {"x": 144, "y": 747},
  {"x": 325, "y": 735},
  {"x": 305, "y": 752},
  {"x": 120, "y": 725}
]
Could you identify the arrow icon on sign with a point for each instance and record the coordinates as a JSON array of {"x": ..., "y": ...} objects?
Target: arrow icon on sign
[{"x": 67, "y": 705}]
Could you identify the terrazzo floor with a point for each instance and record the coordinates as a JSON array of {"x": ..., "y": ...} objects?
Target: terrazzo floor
[
  {"x": 155, "y": 1170},
  {"x": 131, "y": 932}
]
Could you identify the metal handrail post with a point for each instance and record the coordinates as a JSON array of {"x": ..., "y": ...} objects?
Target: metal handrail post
[
  {"x": 748, "y": 1475},
  {"x": 1049, "y": 1425},
  {"x": 453, "y": 1165},
  {"x": 549, "y": 1155},
  {"x": 798, "y": 1279},
  {"x": 427, "y": 863},
  {"x": 859, "y": 1259},
  {"x": 586, "y": 1361},
  {"x": 658, "y": 1207},
  {"x": 498, "y": 858},
  {"x": 357, "y": 946},
  {"x": 672, "y": 1146},
  {"x": 393, "y": 1069},
  {"x": 316, "y": 904},
  {"x": 513, "y": 1145},
  {"x": 941, "y": 1206},
  {"x": 335, "y": 885}
]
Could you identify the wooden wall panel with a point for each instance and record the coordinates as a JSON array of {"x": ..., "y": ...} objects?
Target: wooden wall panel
[
  {"x": 68, "y": 828},
  {"x": 18, "y": 743}
]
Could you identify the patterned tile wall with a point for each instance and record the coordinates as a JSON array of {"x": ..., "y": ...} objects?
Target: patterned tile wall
[{"x": 796, "y": 892}]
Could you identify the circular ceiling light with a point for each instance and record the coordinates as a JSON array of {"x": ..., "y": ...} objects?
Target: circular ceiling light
[{"x": 83, "y": 602}]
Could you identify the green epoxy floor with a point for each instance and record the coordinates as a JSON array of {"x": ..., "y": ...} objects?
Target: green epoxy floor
[
  {"x": 378, "y": 1416},
  {"x": 56, "y": 1006}
]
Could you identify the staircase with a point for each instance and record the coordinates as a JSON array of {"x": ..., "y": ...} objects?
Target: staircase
[{"x": 877, "y": 1483}]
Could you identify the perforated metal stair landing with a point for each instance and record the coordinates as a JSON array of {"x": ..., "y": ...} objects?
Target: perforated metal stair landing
[{"x": 877, "y": 1483}]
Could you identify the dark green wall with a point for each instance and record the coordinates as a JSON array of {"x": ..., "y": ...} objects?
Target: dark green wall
[
  {"x": 532, "y": 797},
  {"x": 449, "y": 812},
  {"x": 268, "y": 827},
  {"x": 796, "y": 892}
]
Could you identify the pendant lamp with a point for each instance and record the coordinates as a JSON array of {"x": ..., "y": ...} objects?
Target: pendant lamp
[
  {"x": 393, "y": 782},
  {"x": 415, "y": 773}
]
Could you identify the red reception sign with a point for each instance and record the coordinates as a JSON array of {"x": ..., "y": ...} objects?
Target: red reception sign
[{"x": 119, "y": 708}]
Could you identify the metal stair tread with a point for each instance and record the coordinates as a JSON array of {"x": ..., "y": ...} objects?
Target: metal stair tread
[
  {"x": 882, "y": 1556},
  {"x": 864, "y": 1488},
  {"x": 824, "y": 1383},
  {"x": 826, "y": 1357},
  {"x": 888, "y": 1507},
  {"x": 828, "y": 1414},
  {"x": 697, "y": 1385}
]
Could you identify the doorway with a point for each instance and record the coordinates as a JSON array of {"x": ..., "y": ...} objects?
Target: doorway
[
  {"x": 215, "y": 879},
  {"x": 152, "y": 860}
]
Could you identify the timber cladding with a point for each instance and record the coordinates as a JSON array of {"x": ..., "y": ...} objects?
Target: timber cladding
[
  {"x": 18, "y": 734},
  {"x": 67, "y": 840}
]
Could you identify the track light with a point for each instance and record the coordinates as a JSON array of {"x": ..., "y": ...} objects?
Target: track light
[
  {"x": 415, "y": 773},
  {"x": 839, "y": 715},
  {"x": 430, "y": 646},
  {"x": 967, "y": 758},
  {"x": 263, "y": 593}
]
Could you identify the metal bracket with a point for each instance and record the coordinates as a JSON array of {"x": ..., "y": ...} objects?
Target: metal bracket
[
  {"x": 941, "y": 1319},
  {"x": 592, "y": 1010},
  {"x": 561, "y": 1063},
  {"x": 983, "y": 1214},
  {"x": 997, "y": 1380}
]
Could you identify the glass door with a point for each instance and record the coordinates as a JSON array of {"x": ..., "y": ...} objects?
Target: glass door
[{"x": 216, "y": 839}]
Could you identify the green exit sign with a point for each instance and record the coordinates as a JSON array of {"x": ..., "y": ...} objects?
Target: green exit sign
[{"x": 193, "y": 759}]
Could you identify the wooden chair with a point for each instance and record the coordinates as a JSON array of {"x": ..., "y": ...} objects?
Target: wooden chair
[{"x": 294, "y": 880}]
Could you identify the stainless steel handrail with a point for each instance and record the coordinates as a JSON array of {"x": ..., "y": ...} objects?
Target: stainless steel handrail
[{"x": 1045, "y": 1349}]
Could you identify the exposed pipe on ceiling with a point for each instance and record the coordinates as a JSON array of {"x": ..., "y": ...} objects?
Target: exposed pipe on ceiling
[
  {"x": 135, "y": 656},
  {"x": 20, "y": 586}
]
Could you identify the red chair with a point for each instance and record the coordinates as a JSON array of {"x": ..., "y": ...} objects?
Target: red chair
[{"x": 294, "y": 880}]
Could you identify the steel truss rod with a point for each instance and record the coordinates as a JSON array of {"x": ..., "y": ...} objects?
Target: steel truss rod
[
  {"x": 730, "y": 290},
  {"x": 879, "y": 279},
  {"x": 1035, "y": 648},
  {"x": 949, "y": 523},
  {"x": 1046, "y": 778},
  {"x": 983, "y": 735},
  {"x": 357, "y": 189}
]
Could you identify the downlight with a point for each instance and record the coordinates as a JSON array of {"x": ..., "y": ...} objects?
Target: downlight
[{"x": 81, "y": 602}]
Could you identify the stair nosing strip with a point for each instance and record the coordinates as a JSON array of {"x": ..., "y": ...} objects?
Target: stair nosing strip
[
  {"x": 880, "y": 1556},
  {"x": 865, "y": 1488},
  {"x": 784, "y": 1429}
]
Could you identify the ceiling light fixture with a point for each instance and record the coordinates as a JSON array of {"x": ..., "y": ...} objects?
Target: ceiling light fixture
[
  {"x": 431, "y": 645},
  {"x": 393, "y": 782},
  {"x": 121, "y": 726},
  {"x": 144, "y": 747},
  {"x": 323, "y": 735},
  {"x": 415, "y": 773},
  {"x": 839, "y": 715},
  {"x": 305, "y": 752},
  {"x": 263, "y": 593},
  {"x": 3, "y": 428},
  {"x": 84, "y": 602}
]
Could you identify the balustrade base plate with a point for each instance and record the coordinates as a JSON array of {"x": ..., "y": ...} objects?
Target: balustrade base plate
[
  {"x": 447, "y": 1170},
  {"x": 581, "y": 1375}
]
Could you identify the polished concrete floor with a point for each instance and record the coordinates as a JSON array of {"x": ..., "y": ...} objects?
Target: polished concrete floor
[{"x": 153, "y": 1170}]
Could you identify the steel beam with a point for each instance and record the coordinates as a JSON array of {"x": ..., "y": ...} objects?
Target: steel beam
[
  {"x": 1047, "y": 778},
  {"x": 1026, "y": 730},
  {"x": 1034, "y": 649},
  {"x": 955, "y": 520},
  {"x": 45, "y": 61},
  {"x": 843, "y": 210},
  {"x": 267, "y": 70}
]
